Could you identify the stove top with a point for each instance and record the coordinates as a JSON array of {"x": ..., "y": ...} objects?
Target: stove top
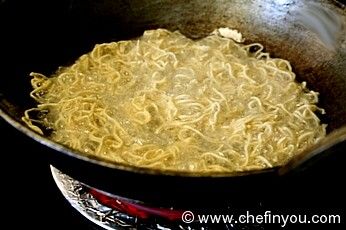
[
  {"x": 32, "y": 198},
  {"x": 112, "y": 212}
]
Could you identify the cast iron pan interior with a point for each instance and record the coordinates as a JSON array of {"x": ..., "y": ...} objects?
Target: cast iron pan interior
[{"x": 40, "y": 36}]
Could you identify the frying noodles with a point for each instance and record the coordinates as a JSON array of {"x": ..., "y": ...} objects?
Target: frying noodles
[{"x": 168, "y": 102}]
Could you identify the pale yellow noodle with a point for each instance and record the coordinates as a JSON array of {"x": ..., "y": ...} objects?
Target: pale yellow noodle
[{"x": 165, "y": 101}]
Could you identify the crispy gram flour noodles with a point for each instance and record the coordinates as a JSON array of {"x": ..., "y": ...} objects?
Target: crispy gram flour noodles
[{"x": 168, "y": 102}]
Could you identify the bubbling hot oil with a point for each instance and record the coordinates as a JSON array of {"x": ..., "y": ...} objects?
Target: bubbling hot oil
[{"x": 168, "y": 102}]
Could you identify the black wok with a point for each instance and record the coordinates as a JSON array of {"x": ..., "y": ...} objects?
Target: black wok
[{"x": 50, "y": 34}]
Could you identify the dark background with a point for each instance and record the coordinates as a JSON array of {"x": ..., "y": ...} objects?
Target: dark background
[{"x": 30, "y": 198}]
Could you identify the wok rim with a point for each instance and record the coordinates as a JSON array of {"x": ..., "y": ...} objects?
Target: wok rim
[
  {"x": 122, "y": 166},
  {"x": 98, "y": 161},
  {"x": 336, "y": 136}
]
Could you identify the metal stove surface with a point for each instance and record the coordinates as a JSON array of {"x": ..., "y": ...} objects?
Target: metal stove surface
[
  {"x": 93, "y": 205},
  {"x": 31, "y": 198}
]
